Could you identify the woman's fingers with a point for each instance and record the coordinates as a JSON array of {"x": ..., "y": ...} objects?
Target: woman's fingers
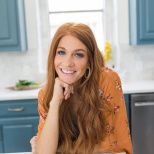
[
  {"x": 33, "y": 143},
  {"x": 72, "y": 90},
  {"x": 33, "y": 140},
  {"x": 67, "y": 96},
  {"x": 68, "y": 90},
  {"x": 62, "y": 89}
]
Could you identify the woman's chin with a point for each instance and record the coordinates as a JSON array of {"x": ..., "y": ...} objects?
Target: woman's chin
[{"x": 68, "y": 81}]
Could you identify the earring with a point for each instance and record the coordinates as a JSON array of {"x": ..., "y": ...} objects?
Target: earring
[{"x": 88, "y": 73}]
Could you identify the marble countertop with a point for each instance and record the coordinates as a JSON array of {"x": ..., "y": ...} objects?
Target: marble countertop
[{"x": 129, "y": 87}]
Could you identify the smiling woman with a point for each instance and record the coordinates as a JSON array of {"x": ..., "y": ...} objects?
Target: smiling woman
[{"x": 82, "y": 106}]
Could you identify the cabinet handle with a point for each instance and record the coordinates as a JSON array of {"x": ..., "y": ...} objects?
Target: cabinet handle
[
  {"x": 19, "y": 109},
  {"x": 144, "y": 104}
]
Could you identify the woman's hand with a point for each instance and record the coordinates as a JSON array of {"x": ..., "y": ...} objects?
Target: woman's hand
[
  {"x": 33, "y": 143},
  {"x": 61, "y": 91}
]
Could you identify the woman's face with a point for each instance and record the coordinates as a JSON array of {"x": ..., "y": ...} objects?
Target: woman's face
[{"x": 71, "y": 59}]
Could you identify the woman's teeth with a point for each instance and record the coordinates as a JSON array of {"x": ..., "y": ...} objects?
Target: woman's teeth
[{"x": 67, "y": 71}]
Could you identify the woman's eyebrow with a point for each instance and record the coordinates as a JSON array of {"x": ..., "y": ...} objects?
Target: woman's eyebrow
[
  {"x": 61, "y": 48},
  {"x": 80, "y": 50}
]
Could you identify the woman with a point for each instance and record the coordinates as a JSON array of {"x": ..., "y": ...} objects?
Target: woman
[{"x": 81, "y": 107}]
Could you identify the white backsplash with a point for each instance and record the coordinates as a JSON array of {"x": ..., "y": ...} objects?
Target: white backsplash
[{"x": 137, "y": 62}]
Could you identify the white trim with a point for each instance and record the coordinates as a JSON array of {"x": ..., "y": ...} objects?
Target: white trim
[{"x": 39, "y": 38}]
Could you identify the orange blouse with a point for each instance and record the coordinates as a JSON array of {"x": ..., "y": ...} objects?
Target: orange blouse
[{"x": 117, "y": 129}]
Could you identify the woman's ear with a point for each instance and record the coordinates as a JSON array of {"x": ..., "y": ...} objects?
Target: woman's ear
[{"x": 88, "y": 72}]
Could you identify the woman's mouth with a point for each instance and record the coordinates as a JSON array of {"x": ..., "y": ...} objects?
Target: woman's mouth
[{"x": 67, "y": 71}]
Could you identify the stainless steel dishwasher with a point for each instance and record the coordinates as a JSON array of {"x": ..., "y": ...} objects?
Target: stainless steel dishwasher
[{"x": 142, "y": 123}]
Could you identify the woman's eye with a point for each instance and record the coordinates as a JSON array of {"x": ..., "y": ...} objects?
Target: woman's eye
[
  {"x": 80, "y": 55},
  {"x": 60, "y": 52}
]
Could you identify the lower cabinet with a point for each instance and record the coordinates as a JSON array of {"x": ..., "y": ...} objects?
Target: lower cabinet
[
  {"x": 1, "y": 142},
  {"x": 18, "y": 123},
  {"x": 127, "y": 103},
  {"x": 17, "y": 133}
]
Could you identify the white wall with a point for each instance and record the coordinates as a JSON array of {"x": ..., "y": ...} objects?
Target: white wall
[{"x": 31, "y": 64}]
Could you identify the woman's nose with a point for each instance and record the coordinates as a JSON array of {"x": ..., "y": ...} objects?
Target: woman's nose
[{"x": 69, "y": 61}]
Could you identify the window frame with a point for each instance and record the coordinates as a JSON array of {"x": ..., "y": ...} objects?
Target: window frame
[{"x": 100, "y": 40}]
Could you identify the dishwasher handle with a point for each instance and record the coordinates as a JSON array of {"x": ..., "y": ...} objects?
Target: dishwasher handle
[{"x": 144, "y": 104}]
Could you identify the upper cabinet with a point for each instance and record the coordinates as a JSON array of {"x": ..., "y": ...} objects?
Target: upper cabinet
[
  {"x": 141, "y": 22},
  {"x": 12, "y": 26}
]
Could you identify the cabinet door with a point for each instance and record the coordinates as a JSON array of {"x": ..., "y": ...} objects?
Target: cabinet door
[
  {"x": 17, "y": 133},
  {"x": 127, "y": 101},
  {"x": 12, "y": 26},
  {"x": 141, "y": 21},
  {"x": 127, "y": 105}
]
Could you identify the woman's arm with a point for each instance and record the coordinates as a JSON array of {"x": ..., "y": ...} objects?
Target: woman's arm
[
  {"x": 48, "y": 133},
  {"x": 48, "y": 141}
]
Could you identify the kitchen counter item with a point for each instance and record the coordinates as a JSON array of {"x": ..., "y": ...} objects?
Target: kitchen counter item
[{"x": 23, "y": 87}]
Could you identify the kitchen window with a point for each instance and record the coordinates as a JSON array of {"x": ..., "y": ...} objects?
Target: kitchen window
[{"x": 89, "y": 12}]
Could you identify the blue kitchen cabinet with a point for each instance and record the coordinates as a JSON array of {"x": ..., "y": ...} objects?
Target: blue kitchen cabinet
[
  {"x": 128, "y": 108},
  {"x": 1, "y": 141},
  {"x": 18, "y": 123},
  {"x": 127, "y": 103},
  {"x": 141, "y": 22},
  {"x": 17, "y": 133},
  {"x": 12, "y": 26}
]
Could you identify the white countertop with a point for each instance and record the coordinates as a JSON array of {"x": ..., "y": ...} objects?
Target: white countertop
[
  {"x": 131, "y": 87},
  {"x": 138, "y": 87},
  {"x": 6, "y": 94}
]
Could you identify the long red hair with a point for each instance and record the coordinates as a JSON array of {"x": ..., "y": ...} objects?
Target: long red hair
[{"x": 85, "y": 128}]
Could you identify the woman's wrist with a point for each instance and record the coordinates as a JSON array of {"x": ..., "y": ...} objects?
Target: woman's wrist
[{"x": 55, "y": 103}]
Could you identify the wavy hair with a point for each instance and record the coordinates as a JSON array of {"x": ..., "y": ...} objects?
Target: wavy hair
[{"x": 84, "y": 128}]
